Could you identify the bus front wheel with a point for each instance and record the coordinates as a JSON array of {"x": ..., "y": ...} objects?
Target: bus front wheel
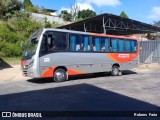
[
  {"x": 60, "y": 75},
  {"x": 115, "y": 71}
]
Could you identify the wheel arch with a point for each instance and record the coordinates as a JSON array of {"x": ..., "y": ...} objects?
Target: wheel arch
[
  {"x": 62, "y": 67},
  {"x": 116, "y": 64}
]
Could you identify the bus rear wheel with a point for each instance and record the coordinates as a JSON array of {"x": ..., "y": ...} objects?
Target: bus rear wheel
[
  {"x": 115, "y": 71},
  {"x": 60, "y": 75}
]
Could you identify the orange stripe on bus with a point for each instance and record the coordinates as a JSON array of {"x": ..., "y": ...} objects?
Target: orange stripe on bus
[
  {"x": 74, "y": 72},
  {"x": 122, "y": 57},
  {"x": 49, "y": 72}
]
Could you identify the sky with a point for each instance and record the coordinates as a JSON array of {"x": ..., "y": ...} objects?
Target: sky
[{"x": 142, "y": 10}]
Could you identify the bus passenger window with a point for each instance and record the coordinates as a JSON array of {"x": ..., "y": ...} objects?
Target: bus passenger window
[
  {"x": 128, "y": 46},
  {"x": 104, "y": 44},
  {"x": 85, "y": 43},
  {"x": 133, "y": 45},
  {"x": 114, "y": 45},
  {"x": 79, "y": 43},
  {"x": 75, "y": 42},
  {"x": 72, "y": 43},
  {"x": 60, "y": 42},
  {"x": 96, "y": 43},
  {"x": 121, "y": 45}
]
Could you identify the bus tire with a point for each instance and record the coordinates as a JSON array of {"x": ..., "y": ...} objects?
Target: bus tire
[
  {"x": 115, "y": 71},
  {"x": 60, "y": 75}
]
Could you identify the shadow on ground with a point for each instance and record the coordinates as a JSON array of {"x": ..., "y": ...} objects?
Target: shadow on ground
[
  {"x": 78, "y": 77},
  {"x": 128, "y": 72},
  {"x": 82, "y": 97},
  {"x": 4, "y": 65}
]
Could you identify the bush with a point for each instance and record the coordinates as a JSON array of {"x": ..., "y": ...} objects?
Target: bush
[
  {"x": 10, "y": 50},
  {"x": 7, "y": 34},
  {"x": 32, "y": 9},
  {"x": 16, "y": 29}
]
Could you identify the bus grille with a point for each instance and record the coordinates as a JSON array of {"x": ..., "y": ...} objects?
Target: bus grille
[{"x": 25, "y": 73}]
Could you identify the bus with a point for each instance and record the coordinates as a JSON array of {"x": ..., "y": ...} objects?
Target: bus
[{"x": 59, "y": 53}]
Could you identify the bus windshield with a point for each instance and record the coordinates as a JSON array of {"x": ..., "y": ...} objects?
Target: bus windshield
[{"x": 32, "y": 44}]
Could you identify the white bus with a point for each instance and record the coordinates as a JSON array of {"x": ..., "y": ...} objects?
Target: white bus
[{"x": 59, "y": 53}]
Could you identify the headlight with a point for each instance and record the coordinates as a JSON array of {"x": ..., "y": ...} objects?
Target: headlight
[{"x": 31, "y": 63}]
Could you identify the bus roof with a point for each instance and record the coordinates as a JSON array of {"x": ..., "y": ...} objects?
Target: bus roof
[{"x": 88, "y": 33}]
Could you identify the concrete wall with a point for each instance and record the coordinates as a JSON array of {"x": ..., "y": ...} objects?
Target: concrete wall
[{"x": 41, "y": 18}]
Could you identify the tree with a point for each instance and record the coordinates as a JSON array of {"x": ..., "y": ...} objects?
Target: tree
[
  {"x": 75, "y": 11},
  {"x": 65, "y": 15},
  {"x": 1, "y": 8},
  {"x": 8, "y": 7},
  {"x": 84, "y": 14},
  {"x": 156, "y": 23},
  {"x": 27, "y": 3},
  {"x": 32, "y": 9},
  {"x": 123, "y": 14}
]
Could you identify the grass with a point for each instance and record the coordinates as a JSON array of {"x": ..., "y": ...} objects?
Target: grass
[{"x": 12, "y": 61}]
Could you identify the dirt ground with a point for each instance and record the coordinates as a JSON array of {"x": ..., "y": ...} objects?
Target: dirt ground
[
  {"x": 11, "y": 74},
  {"x": 14, "y": 73}
]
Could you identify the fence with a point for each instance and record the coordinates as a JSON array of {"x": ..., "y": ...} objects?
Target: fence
[{"x": 149, "y": 51}]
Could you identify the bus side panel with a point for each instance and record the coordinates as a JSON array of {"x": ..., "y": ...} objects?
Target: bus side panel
[{"x": 81, "y": 63}]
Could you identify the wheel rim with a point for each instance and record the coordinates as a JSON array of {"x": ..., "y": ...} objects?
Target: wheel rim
[
  {"x": 59, "y": 75},
  {"x": 115, "y": 71}
]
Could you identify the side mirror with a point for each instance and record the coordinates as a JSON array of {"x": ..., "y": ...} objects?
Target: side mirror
[{"x": 21, "y": 43}]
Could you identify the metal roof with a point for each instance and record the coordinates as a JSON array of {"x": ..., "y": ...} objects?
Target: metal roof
[
  {"x": 111, "y": 24},
  {"x": 50, "y": 10}
]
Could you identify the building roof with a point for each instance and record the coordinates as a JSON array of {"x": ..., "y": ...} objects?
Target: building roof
[
  {"x": 111, "y": 24},
  {"x": 50, "y": 10}
]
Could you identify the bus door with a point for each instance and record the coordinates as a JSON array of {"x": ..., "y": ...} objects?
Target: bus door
[{"x": 52, "y": 44}]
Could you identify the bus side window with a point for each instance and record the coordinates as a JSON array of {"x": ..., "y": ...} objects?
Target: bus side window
[
  {"x": 44, "y": 47},
  {"x": 104, "y": 44},
  {"x": 114, "y": 44},
  {"x": 96, "y": 43},
  {"x": 133, "y": 45},
  {"x": 73, "y": 43},
  {"x": 85, "y": 43},
  {"x": 121, "y": 45},
  {"x": 79, "y": 43},
  {"x": 128, "y": 45}
]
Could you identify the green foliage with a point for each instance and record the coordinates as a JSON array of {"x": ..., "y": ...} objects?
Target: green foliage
[
  {"x": 12, "y": 31},
  {"x": 10, "y": 49},
  {"x": 47, "y": 23},
  {"x": 84, "y": 14},
  {"x": 27, "y": 3},
  {"x": 123, "y": 14},
  {"x": 65, "y": 15},
  {"x": 32, "y": 9},
  {"x": 8, "y": 8},
  {"x": 7, "y": 34}
]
